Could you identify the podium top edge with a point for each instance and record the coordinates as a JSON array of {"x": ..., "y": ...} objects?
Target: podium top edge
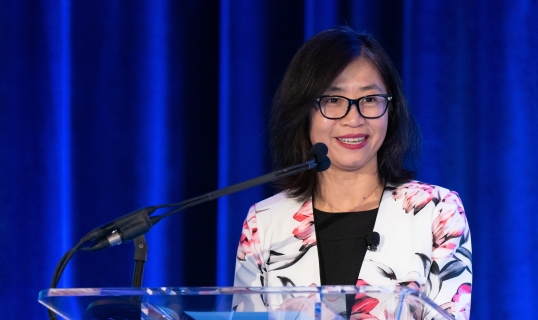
[{"x": 118, "y": 291}]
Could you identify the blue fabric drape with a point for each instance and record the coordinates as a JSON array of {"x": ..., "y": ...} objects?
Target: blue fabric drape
[{"x": 109, "y": 106}]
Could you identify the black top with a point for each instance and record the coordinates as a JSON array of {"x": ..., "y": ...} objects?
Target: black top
[{"x": 341, "y": 242}]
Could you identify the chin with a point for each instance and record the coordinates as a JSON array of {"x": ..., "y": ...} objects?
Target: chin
[
  {"x": 353, "y": 166},
  {"x": 347, "y": 168}
]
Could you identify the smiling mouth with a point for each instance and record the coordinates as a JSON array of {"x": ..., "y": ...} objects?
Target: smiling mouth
[{"x": 352, "y": 140}]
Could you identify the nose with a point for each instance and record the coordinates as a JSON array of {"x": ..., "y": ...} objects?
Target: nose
[{"x": 353, "y": 117}]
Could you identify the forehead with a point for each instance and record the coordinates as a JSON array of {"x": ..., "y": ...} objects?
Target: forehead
[{"x": 359, "y": 75}]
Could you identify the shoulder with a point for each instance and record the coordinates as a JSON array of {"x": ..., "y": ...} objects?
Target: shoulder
[
  {"x": 279, "y": 198},
  {"x": 416, "y": 195},
  {"x": 280, "y": 202},
  {"x": 277, "y": 210},
  {"x": 415, "y": 186}
]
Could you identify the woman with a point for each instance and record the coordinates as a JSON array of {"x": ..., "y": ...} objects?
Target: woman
[{"x": 342, "y": 89}]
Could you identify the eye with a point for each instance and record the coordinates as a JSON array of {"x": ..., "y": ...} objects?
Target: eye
[
  {"x": 372, "y": 101},
  {"x": 331, "y": 100}
]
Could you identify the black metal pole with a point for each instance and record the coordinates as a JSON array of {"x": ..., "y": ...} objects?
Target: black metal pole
[{"x": 140, "y": 257}]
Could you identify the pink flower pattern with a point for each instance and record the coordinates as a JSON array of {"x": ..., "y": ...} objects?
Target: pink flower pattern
[
  {"x": 416, "y": 195},
  {"x": 363, "y": 304},
  {"x": 449, "y": 225},
  {"x": 305, "y": 231},
  {"x": 462, "y": 298},
  {"x": 250, "y": 228},
  {"x": 461, "y": 302}
]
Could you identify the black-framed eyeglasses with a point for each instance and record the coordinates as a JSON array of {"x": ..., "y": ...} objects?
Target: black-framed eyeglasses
[{"x": 369, "y": 107}]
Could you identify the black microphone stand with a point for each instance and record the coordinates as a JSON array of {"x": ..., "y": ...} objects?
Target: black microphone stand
[
  {"x": 123, "y": 308},
  {"x": 140, "y": 258},
  {"x": 134, "y": 225}
]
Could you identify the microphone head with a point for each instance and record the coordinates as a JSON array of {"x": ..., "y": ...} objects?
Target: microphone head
[
  {"x": 323, "y": 165},
  {"x": 319, "y": 152}
]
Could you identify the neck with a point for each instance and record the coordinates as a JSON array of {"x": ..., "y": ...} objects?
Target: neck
[{"x": 348, "y": 191}]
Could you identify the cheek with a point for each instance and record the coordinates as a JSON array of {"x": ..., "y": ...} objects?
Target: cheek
[
  {"x": 383, "y": 127},
  {"x": 316, "y": 128}
]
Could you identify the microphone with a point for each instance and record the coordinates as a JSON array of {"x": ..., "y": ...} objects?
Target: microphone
[
  {"x": 319, "y": 152},
  {"x": 138, "y": 222},
  {"x": 372, "y": 241}
]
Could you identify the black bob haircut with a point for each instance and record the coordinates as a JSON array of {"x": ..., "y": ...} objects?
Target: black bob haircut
[{"x": 312, "y": 70}]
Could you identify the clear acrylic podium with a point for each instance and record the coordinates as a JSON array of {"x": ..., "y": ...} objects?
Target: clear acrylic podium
[{"x": 328, "y": 302}]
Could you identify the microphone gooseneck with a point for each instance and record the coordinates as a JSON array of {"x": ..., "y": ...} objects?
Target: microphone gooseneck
[{"x": 138, "y": 222}]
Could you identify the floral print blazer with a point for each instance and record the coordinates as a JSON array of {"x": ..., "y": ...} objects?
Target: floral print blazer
[{"x": 425, "y": 244}]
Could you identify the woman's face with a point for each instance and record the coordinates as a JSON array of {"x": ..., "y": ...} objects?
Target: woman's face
[{"x": 353, "y": 141}]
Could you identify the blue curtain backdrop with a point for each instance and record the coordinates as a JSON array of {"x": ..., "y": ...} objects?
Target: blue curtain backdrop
[{"x": 109, "y": 106}]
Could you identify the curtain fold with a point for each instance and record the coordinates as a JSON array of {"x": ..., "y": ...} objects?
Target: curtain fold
[{"x": 109, "y": 106}]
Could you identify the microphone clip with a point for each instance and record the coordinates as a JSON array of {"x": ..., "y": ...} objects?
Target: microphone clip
[
  {"x": 372, "y": 241},
  {"x": 123, "y": 229}
]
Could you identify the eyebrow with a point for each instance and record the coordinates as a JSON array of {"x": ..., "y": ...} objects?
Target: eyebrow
[{"x": 365, "y": 88}]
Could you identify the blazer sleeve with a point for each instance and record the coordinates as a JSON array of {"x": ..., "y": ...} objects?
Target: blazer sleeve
[
  {"x": 450, "y": 278},
  {"x": 249, "y": 266}
]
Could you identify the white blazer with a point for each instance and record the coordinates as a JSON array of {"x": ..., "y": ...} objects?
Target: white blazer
[{"x": 425, "y": 244}]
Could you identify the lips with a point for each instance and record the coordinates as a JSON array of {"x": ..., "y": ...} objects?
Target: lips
[{"x": 353, "y": 141}]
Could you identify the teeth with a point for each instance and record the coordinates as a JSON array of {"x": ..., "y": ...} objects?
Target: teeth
[{"x": 352, "y": 140}]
